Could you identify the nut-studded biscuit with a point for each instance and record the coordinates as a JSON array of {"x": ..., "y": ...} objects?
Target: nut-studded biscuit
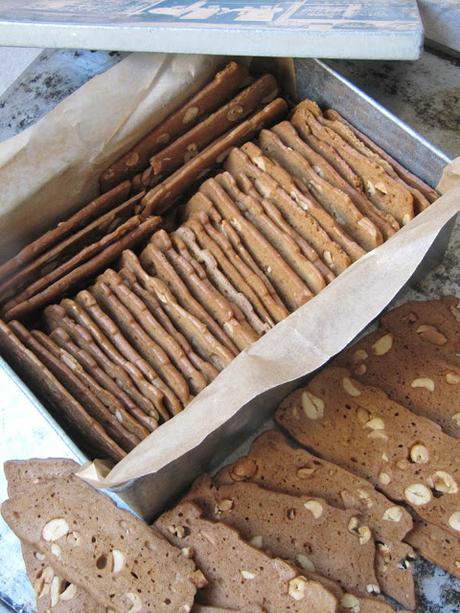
[
  {"x": 273, "y": 463},
  {"x": 154, "y": 260},
  {"x": 66, "y": 227},
  {"x": 282, "y": 241},
  {"x": 436, "y": 545},
  {"x": 161, "y": 197},
  {"x": 109, "y": 551},
  {"x": 195, "y": 140},
  {"x": 421, "y": 192},
  {"x": 218, "y": 278},
  {"x": 118, "y": 347},
  {"x": 336, "y": 202},
  {"x": 106, "y": 397},
  {"x": 154, "y": 329},
  {"x": 84, "y": 332},
  {"x": 138, "y": 338},
  {"x": 288, "y": 134},
  {"x": 434, "y": 324},
  {"x": 299, "y": 207},
  {"x": 228, "y": 316},
  {"x": 412, "y": 374},
  {"x": 85, "y": 271},
  {"x": 384, "y": 191},
  {"x": 335, "y": 540},
  {"x": 63, "y": 404},
  {"x": 223, "y": 86},
  {"x": 293, "y": 290},
  {"x": 90, "y": 401},
  {"x": 407, "y": 456},
  {"x": 197, "y": 226},
  {"x": 46, "y": 277},
  {"x": 220, "y": 232},
  {"x": 74, "y": 244},
  {"x": 50, "y": 591},
  {"x": 86, "y": 361},
  {"x": 154, "y": 306},
  {"x": 245, "y": 184},
  {"x": 198, "y": 334},
  {"x": 236, "y": 574}
]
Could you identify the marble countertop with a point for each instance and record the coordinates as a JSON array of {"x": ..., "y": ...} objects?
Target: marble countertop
[{"x": 425, "y": 94}]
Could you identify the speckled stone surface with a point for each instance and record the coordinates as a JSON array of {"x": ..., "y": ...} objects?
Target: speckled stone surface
[{"x": 425, "y": 94}]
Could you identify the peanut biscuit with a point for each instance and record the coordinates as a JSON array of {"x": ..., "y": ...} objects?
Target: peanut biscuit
[
  {"x": 336, "y": 202},
  {"x": 222, "y": 87},
  {"x": 274, "y": 464},
  {"x": 385, "y": 192},
  {"x": 407, "y": 456},
  {"x": 288, "y": 134},
  {"x": 336, "y": 542},
  {"x": 236, "y": 574},
  {"x": 436, "y": 545},
  {"x": 163, "y": 196},
  {"x": 87, "y": 536},
  {"x": 225, "y": 118}
]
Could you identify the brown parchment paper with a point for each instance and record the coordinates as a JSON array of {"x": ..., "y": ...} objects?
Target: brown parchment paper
[
  {"x": 294, "y": 348},
  {"x": 51, "y": 168}
]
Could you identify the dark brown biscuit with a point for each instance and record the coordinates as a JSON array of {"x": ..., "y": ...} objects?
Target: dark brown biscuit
[
  {"x": 147, "y": 348},
  {"x": 64, "y": 228},
  {"x": 384, "y": 191},
  {"x": 281, "y": 241},
  {"x": 336, "y": 542},
  {"x": 110, "y": 401},
  {"x": 85, "y": 359},
  {"x": 236, "y": 574},
  {"x": 200, "y": 207},
  {"x": 227, "y": 315},
  {"x": 245, "y": 184},
  {"x": 85, "y": 271},
  {"x": 154, "y": 329},
  {"x": 49, "y": 277},
  {"x": 75, "y": 244},
  {"x": 121, "y": 350},
  {"x": 54, "y": 515},
  {"x": 336, "y": 202},
  {"x": 222, "y": 87},
  {"x": 208, "y": 371},
  {"x": 274, "y": 464},
  {"x": 154, "y": 260},
  {"x": 198, "y": 334},
  {"x": 286, "y": 281},
  {"x": 86, "y": 396},
  {"x": 64, "y": 405},
  {"x": 411, "y": 374},
  {"x": 196, "y": 225},
  {"x": 161, "y": 197},
  {"x": 409, "y": 179},
  {"x": 220, "y": 281},
  {"x": 225, "y": 118},
  {"x": 84, "y": 332},
  {"x": 433, "y": 324},
  {"x": 288, "y": 134},
  {"x": 407, "y": 456},
  {"x": 436, "y": 545}
]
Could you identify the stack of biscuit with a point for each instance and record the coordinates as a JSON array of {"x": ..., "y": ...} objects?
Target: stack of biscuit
[
  {"x": 287, "y": 214},
  {"x": 379, "y": 479}
]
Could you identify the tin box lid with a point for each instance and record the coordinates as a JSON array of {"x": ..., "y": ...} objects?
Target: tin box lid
[{"x": 366, "y": 29}]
